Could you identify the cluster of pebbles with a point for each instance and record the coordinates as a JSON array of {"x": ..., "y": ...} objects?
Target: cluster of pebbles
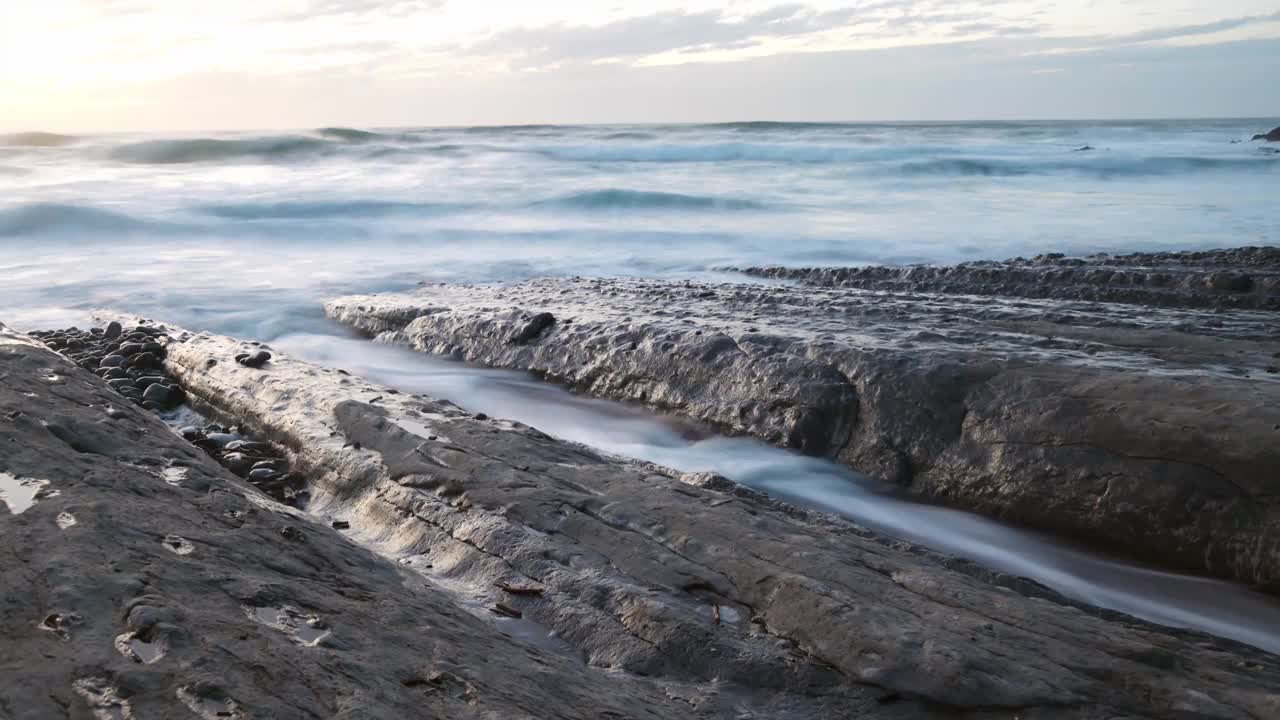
[
  {"x": 132, "y": 363},
  {"x": 254, "y": 460}
]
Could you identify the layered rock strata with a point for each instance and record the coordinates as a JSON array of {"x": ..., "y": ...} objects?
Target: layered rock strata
[
  {"x": 1152, "y": 432},
  {"x": 669, "y": 595},
  {"x": 1244, "y": 278}
]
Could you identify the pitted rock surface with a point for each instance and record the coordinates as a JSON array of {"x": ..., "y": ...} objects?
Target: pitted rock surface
[
  {"x": 690, "y": 585},
  {"x": 125, "y": 596},
  {"x": 1154, "y": 433}
]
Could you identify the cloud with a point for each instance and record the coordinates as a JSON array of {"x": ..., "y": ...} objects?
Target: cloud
[
  {"x": 1174, "y": 33},
  {"x": 683, "y": 32}
]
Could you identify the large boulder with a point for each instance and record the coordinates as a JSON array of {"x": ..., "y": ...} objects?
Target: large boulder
[{"x": 1273, "y": 136}]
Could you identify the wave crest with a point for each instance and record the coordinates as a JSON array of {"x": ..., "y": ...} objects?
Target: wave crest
[
  {"x": 36, "y": 139},
  {"x": 58, "y": 218},
  {"x": 323, "y": 210},
  {"x": 1102, "y": 168},
  {"x": 619, "y": 199},
  {"x": 195, "y": 150},
  {"x": 350, "y": 135}
]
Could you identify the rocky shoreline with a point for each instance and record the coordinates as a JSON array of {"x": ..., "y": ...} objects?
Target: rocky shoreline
[
  {"x": 1243, "y": 278},
  {"x": 471, "y": 567},
  {"x": 1148, "y": 430}
]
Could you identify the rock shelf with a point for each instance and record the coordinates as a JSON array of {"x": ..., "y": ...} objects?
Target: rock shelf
[{"x": 1152, "y": 432}]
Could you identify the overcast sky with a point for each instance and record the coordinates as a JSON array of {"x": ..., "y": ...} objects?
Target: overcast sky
[{"x": 207, "y": 64}]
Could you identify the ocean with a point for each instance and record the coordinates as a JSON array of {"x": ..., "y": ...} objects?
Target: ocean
[
  {"x": 244, "y": 232},
  {"x": 247, "y": 233}
]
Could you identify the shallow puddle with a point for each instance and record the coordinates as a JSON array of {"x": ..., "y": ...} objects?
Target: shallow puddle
[
  {"x": 209, "y": 708},
  {"x": 21, "y": 493},
  {"x": 305, "y": 629},
  {"x": 130, "y": 646},
  {"x": 104, "y": 701},
  {"x": 174, "y": 475},
  {"x": 420, "y": 429}
]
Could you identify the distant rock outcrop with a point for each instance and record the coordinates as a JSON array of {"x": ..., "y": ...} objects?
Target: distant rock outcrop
[{"x": 1273, "y": 136}]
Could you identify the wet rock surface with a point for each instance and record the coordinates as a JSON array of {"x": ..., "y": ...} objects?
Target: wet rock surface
[
  {"x": 1150, "y": 432},
  {"x": 146, "y": 581},
  {"x": 686, "y": 579},
  {"x": 1245, "y": 278},
  {"x": 131, "y": 361},
  {"x": 1272, "y": 136},
  {"x": 728, "y": 602}
]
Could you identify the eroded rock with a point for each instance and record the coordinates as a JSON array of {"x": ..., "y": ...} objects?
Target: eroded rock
[
  {"x": 633, "y": 566},
  {"x": 1150, "y": 434}
]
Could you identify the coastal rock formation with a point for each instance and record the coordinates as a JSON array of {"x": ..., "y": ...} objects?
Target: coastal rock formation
[
  {"x": 1273, "y": 136},
  {"x": 1244, "y": 278},
  {"x": 139, "y": 579},
  {"x": 531, "y": 578},
  {"x": 1153, "y": 434}
]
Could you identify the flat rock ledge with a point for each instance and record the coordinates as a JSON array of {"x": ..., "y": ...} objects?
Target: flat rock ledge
[
  {"x": 1242, "y": 278},
  {"x": 1153, "y": 433},
  {"x": 457, "y": 566}
]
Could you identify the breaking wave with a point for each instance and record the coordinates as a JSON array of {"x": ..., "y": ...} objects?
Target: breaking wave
[
  {"x": 1103, "y": 168},
  {"x": 355, "y": 209},
  {"x": 196, "y": 150},
  {"x": 58, "y": 219},
  {"x": 350, "y": 135},
  {"x": 36, "y": 140},
  {"x": 618, "y": 199},
  {"x": 706, "y": 153}
]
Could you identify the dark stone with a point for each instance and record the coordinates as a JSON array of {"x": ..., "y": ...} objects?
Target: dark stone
[
  {"x": 113, "y": 330},
  {"x": 164, "y": 395},
  {"x": 219, "y": 439},
  {"x": 533, "y": 328},
  {"x": 113, "y": 361},
  {"x": 250, "y": 446},
  {"x": 340, "y": 524},
  {"x": 237, "y": 462},
  {"x": 1273, "y": 136},
  {"x": 143, "y": 360},
  {"x": 254, "y": 360}
]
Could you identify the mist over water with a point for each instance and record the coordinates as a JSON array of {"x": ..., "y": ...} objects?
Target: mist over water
[{"x": 246, "y": 234}]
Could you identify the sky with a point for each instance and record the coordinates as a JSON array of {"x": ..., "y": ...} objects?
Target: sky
[{"x": 119, "y": 65}]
